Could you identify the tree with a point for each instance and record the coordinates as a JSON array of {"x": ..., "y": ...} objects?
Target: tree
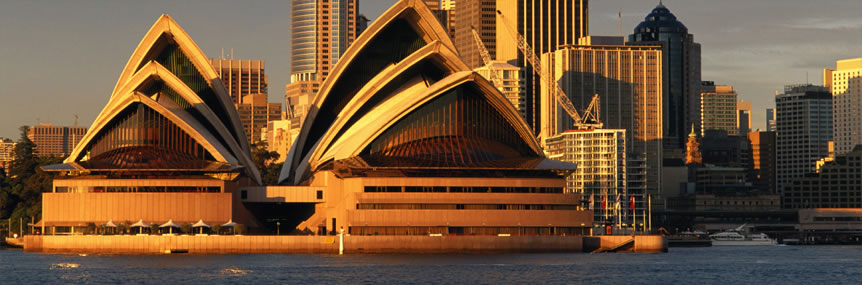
[
  {"x": 21, "y": 193},
  {"x": 265, "y": 162}
]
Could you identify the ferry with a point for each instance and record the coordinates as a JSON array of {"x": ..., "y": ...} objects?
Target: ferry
[{"x": 735, "y": 237}]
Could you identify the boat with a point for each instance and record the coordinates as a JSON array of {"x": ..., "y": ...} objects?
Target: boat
[
  {"x": 689, "y": 239},
  {"x": 736, "y": 237}
]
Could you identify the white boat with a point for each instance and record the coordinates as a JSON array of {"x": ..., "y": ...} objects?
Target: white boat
[{"x": 735, "y": 237}]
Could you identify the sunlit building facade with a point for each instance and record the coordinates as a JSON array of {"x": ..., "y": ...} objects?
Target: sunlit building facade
[
  {"x": 56, "y": 141},
  {"x": 629, "y": 82},
  {"x": 404, "y": 139},
  {"x": 845, "y": 84},
  {"x": 718, "y": 107},
  {"x": 169, "y": 145}
]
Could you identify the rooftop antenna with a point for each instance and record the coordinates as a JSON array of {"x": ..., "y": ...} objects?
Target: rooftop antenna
[
  {"x": 621, "y": 21},
  {"x": 222, "y": 53},
  {"x": 76, "y": 120},
  {"x": 231, "y": 53},
  {"x": 806, "y": 78}
]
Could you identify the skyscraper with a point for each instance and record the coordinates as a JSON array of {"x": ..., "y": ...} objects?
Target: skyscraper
[
  {"x": 628, "y": 80},
  {"x": 241, "y": 77},
  {"x": 53, "y": 140},
  {"x": 804, "y": 124},
  {"x": 545, "y": 25},
  {"x": 743, "y": 117},
  {"x": 770, "y": 119},
  {"x": 601, "y": 173},
  {"x": 845, "y": 84},
  {"x": 763, "y": 158},
  {"x": 682, "y": 64},
  {"x": 247, "y": 84},
  {"x": 718, "y": 108},
  {"x": 321, "y": 30},
  {"x": 478, "y": 14}
]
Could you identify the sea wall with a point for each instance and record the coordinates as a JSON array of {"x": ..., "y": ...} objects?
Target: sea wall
[
  {"x": 642, "y": 243},
  {"x": 128, "y": 244}
]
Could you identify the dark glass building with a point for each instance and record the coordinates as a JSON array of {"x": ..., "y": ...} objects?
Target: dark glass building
[{"x": 682, "y": 71}]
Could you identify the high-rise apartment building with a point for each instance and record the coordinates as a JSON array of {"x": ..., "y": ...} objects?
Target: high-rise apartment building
[
  {"x": 7, "y": 148},
  {"x": 512, "y": 82},
  {"x": 804, "y": 125},
  {"x": 682, "y": 70},
  {"x": 247, "y": 83},
  {"x": 601, "y": 172},
  {"x": 845, "y": 84},
  {"x": 770, "y": 119},
  {"x": 241, "y": 77},
  {"x": 743, "y": 117},
  {"x": 718, "y": 108},
  {"x": 255, "y": 113},
  {"x": 628, "y": 80},
  {"x": 55, "y": 141},
  {"x": 546, "y": 25},
  {"x": 763, "y": 160},
  {"x": 321, "y": 30}
]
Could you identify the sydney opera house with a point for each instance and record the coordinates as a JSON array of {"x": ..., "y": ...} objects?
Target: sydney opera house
[{"x": 402, "y": 139}]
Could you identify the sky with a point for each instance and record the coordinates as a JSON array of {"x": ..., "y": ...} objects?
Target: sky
[{"x": 62, "y": 58}]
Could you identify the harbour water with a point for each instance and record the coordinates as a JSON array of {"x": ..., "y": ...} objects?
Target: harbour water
[{"x": 711, "y": 265}]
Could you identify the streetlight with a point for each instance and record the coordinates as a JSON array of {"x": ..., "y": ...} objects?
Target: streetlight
[{"x": 278, "y": 228}]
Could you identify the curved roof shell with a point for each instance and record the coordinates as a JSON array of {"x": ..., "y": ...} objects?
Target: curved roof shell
[
  {"x": 172, "y": 78},
  {"x": 393, "y": 99}
]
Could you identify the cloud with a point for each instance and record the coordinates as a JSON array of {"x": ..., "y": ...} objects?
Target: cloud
[{"x": 829, "y": 24}]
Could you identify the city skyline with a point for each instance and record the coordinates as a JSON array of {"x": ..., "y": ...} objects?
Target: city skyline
[{"x": 758, "y": 52}]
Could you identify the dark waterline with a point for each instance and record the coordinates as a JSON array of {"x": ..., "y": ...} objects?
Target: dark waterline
[{"x": 762, "y": 264}]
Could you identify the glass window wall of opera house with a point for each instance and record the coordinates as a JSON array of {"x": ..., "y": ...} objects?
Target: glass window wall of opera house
[{"x": 403, "y": 138}]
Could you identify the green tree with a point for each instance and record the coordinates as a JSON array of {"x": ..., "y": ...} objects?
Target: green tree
[
  {"x": 21, "y": 193},
  {"x": 265, "y": 162}
]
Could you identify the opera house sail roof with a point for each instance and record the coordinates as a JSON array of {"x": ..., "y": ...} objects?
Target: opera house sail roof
[
  {"x": 401, "y": 97},
  {"x": 169, "y": 112}
]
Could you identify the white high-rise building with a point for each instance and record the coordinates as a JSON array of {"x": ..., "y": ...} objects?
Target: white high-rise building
[
  {"x": 845, "y": 84},
  {"x": 601, "y": 174},
  {"x": 511, "y": 85}
]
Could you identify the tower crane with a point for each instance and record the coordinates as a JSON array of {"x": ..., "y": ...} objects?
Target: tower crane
[
  {"x": 486, "y": 58},
  {"x": 591, "y": 113}
]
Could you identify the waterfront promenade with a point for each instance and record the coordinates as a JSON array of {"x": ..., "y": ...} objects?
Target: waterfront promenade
[{"x": 218, "y": 244}]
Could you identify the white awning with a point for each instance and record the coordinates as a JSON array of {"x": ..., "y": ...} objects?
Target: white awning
[
  {"x": 170, "y": 223},
  {"x": 110, "y": 224},
  {"x": 229, "y": 224},
  {"x": 140, "y": 223},
  {"x": 200, "y": 223}
]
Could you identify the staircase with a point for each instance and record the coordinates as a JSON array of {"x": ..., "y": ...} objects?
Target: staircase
[{"x": 627, "y": 244}]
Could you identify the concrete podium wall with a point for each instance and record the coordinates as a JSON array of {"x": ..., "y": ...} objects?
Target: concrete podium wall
[{"x": 128, "y": 244}]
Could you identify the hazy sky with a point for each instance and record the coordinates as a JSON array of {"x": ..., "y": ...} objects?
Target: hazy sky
[{"x": 60, "y": 58}]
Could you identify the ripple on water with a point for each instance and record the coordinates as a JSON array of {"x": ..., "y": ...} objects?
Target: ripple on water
[
  {"x": 64, "y": 266},
  {"x": 233, "y": 271}
]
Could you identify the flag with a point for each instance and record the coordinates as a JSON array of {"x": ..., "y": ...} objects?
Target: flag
[
  {"x": 632, "y": 202},
  {"x": 617, "y": 204},
  {"x": 604, "y": 202},
  {"x": 590, "y": 206}
]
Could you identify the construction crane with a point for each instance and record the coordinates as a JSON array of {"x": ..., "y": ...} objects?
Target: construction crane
[
  {"x": 486, "y": 58},
  {"x": 591, "y": 114}
]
